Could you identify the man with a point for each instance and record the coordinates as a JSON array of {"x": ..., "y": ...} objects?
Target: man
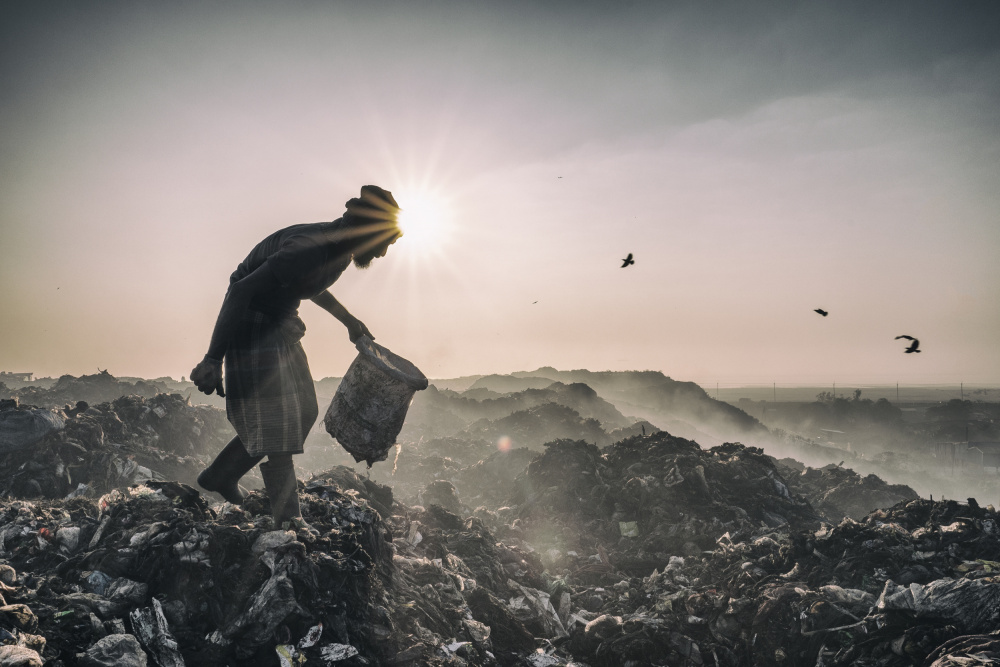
[{"x": 270, "y": 398}]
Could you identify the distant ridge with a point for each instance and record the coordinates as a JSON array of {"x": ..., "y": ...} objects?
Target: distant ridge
[{"x": 654, "y": 396}]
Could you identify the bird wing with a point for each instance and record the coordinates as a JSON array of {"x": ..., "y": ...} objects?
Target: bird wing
[{"x": 906, "y": 337}]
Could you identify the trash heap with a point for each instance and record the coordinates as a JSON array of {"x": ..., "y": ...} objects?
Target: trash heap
[
  {"x": 836, "y": 492},
  {"x": 155, "y": 572},
  {"x": 535, "y": 426},
  {"x": 489, "y": 482},
  {"x": 650, "y": 551},
  {"x": 645, "y": 499},
  {"x": 772, "y": 598},
  {"x": 93, "y": 449},
  {"x": 912, "y": 584},
  {"x": 98, "y": 388},
  {"x": 905, "y": 586},
  {"x": 460, "y": 596},
  {"x": 416, "y": 465}
]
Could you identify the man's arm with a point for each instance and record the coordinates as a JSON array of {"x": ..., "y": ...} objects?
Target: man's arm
[
  {"x": 207, "y": 375},
  {"x": 355, "y": 327}
]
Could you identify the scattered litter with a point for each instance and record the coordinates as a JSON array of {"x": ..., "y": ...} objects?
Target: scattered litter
[{"x": 332, "y": 653}]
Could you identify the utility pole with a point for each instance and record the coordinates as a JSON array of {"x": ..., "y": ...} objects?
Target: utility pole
[
  {"x": 897, "y": 392},
  {"x": 716, "y": 391},
  {"x": 835, "y": 390},
  {"x": 961, "y": 388}
]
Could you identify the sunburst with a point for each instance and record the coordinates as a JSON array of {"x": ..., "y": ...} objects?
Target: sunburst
[{"x": 427, "y": 221}]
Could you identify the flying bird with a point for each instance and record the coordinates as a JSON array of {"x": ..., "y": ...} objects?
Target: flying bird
[
  {"x": 820, "y": 311},
  {"x": 913, "y": 346},
  {"x": 628, "y": 260}
]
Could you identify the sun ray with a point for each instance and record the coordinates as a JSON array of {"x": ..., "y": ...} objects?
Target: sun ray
[{"x": 427, "y": 221}]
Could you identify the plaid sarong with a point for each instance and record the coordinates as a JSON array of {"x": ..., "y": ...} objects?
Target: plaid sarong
[{"x": 270, "y": 397}]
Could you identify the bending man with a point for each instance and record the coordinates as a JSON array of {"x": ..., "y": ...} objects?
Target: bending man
[{"x": 270, "y": 397}]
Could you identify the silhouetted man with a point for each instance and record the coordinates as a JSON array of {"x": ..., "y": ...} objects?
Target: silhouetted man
[{"x": 270, "y": 397}]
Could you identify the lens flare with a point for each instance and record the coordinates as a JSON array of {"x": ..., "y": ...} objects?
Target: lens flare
[
  {"x": 504, "y": 444},
  {"x": 425, "y": 219}
]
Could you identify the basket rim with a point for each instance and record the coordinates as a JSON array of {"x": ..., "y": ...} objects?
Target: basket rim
[{"x": 391, "y": 364}]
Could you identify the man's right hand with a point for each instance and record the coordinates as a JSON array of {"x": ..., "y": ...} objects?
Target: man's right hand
[
  {"x": 207, "y": 376},
  {"x": 356, "y": 329}
]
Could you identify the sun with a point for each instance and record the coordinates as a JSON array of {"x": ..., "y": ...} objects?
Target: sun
[{"x": 426, "y": 220}]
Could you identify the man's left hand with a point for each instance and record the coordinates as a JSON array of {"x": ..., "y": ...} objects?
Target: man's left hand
[{"x": 207, "y": 376}]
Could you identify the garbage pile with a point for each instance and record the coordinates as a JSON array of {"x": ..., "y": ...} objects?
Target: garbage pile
[
  {"x": 891, "y": 590},
  {"x": 913, "y": 584},
  {"x": 536, "y": 426},
  {"x": 646, "y": 498},
  {"x": 154, "y": 576},
  {"x": 98, "y": 388},
  {"x": 90, "y": 450},
  {"x": 460, "y": 596},
  {"x": 649, "y": 551},
  {"x": 489, "y": 482},
  {"x": 837, "y": 492},
  {"x": 772, "y": 598}
]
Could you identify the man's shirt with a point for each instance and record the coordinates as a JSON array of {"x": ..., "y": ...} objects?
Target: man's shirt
[{"x": 304, "y": 259}]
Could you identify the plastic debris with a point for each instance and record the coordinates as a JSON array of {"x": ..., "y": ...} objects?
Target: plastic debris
[
  {"x": 312, "y": 637},
  {"x": 151, "y": 628},
  {"x": 22, "y": 428},
  {"x": 288, "y": 656},
  {"x": 332, "y": 653},
  {"x": 117, "y": 650}
]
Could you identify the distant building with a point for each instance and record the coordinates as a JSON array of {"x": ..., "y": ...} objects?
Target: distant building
[
  {"x": 18, "y": 377},
  {"x": 989, "y": 450},
  {"x": 972, "y": 454}
]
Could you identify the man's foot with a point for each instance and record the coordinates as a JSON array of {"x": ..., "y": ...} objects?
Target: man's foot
[
  {"x": 231, "y": 491},
  {"x": 223, "y": 476}
]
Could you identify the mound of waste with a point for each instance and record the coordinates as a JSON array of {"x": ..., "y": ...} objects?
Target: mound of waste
[
  {"x": 533, "y": 427},
  {"x": 156, "y": 572},
  {"x": 646, "y": 498},
  {"x": 650, "y": 551},
  {"x": 772, "y": 597},
  {"x": 94, "y": 449},
  {"x": 838, "y": 492},
  {"x": 98, "y": 388}
]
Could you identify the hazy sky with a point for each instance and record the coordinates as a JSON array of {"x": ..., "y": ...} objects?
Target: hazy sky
[{"x": 759, "y": 159}]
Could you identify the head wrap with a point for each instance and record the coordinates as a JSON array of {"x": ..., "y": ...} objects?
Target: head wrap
[{"x": 373, "y": 204}]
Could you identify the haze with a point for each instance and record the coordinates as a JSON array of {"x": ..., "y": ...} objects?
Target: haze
[{"x": 758, "y": 161}]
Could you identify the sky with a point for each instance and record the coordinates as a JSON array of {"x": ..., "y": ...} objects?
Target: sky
[{"x": 759, "y": 160}]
